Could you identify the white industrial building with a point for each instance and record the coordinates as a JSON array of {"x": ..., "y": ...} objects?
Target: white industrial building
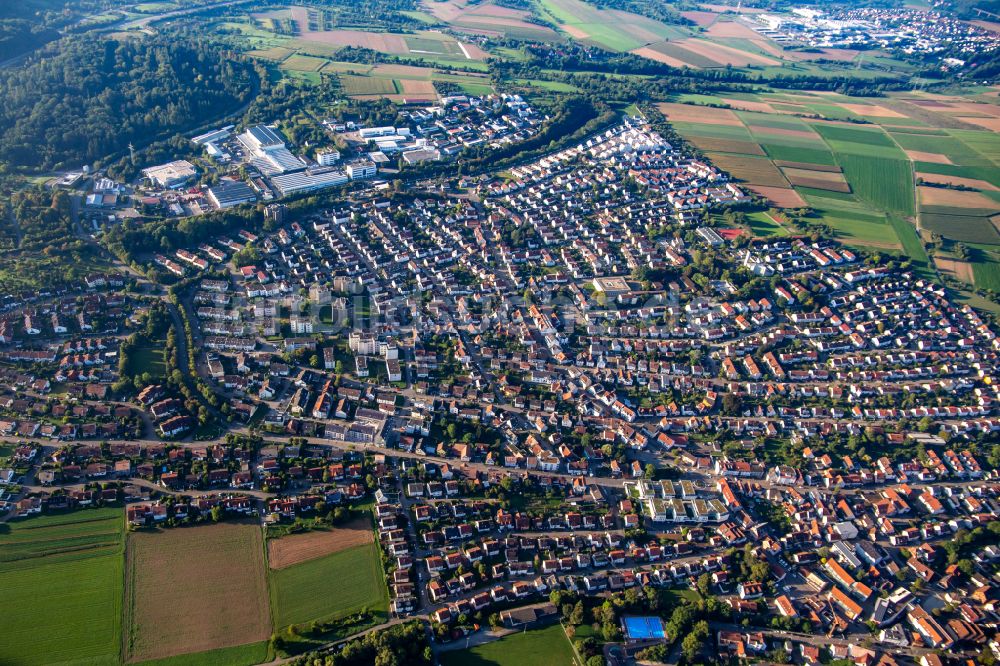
[
  {"x": 170, "y": 175},
  {"x": 361, "y": 170},
  {"x": 268, "y": 152},
  {"x": 327, "y": 157},
  {"x": 215, "y": 136},
  {"x": 305, "y": 181}
]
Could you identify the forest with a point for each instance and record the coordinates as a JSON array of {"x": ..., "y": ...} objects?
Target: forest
[
  {"x": 19, "y": 36},
  {"x": 83, "y": 99}
]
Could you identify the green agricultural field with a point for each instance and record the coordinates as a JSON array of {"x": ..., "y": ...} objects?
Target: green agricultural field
[
  {"x": 912, "y": 247},
  {"x": 958, "y": 152},
  {"x": 885, "y": 183},
  {"x": 541, "y": 647},
  {"x": 845, "y": 134},
  {"x": 987, "y": 275},
  {"x": 862, "y": 232},
  {"x": 303, "y": 63},
  {"x": 964, "y": 228},
  {"x": 618, "y": 32},
  {"x": 476, "y": 88},
  {"x": 758, "y": 119},
  {"x": 734, "y": 132},
  {"x": 832, "y": 112},
  {"x": 785, "y": 153},
  {"x": 989, "y": 174},
  {"x": 445, "y": 47},
  {"x": 64, "y": 571},
  {"x": 366, "y": 85},
  {"x": 698, "y": 98},
  {"x": 708, "y": 143},
  {"x": 329, "y": 587},
  {"x": 987, "y": 144},
  {"x": 275, "y": 53},
  {"x": 241, "y": 655},
  {"x": 856, "y": 141},
  {"x": 853, "y": 222}
]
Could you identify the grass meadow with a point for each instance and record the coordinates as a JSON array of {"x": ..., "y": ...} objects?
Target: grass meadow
[{"x": 539, "y": 647}]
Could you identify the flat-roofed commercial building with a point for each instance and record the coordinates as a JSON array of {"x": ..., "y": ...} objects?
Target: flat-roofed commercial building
[
  {"x": 172, "y": 174},
  {"x": 229, "y": 193},
  {"x": 268, "y": 152},
  {"x": 361, "y": 170},
  {"x": 305, "y": 181}
]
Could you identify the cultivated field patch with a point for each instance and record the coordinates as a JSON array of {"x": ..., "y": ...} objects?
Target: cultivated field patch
[
  {"x": 886, "y": 183},
  {"x": 961, "y": 270},
  {"x": 275, "y": 53},
  {"x": 62, "y": 578},
  {"x": 820, "y": 180},
  {"x": 297, "y": 548},
  {"x": 808, "y": 166},
  {"x": 991, "y": 123},
  {"x": 801, "y": 154},
  {"x": 782, "y": 197},
  {"x": 732, "y": 29},
  {"x": 964, "y": 228},
  {"x": 700, "y": 18},
  {"x": 403, "y": 71},
  {"x": 691, "y": 113},
  {"x": 346, "y": 68},
  {"x": 383, "y": 42},
  {"x": 611, "y": 29},
  {"x": 685, "y": 56},
  {"x": 871, "y": 110},
  {"x": 754, "y": 170},
  {"x": 328, "y": 587},
  {"x": 940, "y": 196},
  {"x": 826, "y": 174},
  {"x": 785, "y": 132},
  {"x": 748, "y": 105},
  {"x": 414, "y": 89},
  {"x": 194, "y": 589},
  {"x": 303, "y": 63},
  {"x": 708, "y": 143},
  {"x": 921, "y": 156},
  {"x": 653, "y": 54},
  {"x": 488, "y": 18},
  {"x": 987, "y": 274},
  {"x": 723, "y": 55},
  {"x": 957, "y": 180},
  {"x": 367, "y": 85}
]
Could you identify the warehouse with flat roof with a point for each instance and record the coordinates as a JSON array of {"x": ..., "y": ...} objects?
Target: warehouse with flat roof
[
  {"x": 171, "y": 174},
  {"x": 267, "y": 151},
  {"x": 305, "y": 181},
  {"x": 229, "y": 193}
]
